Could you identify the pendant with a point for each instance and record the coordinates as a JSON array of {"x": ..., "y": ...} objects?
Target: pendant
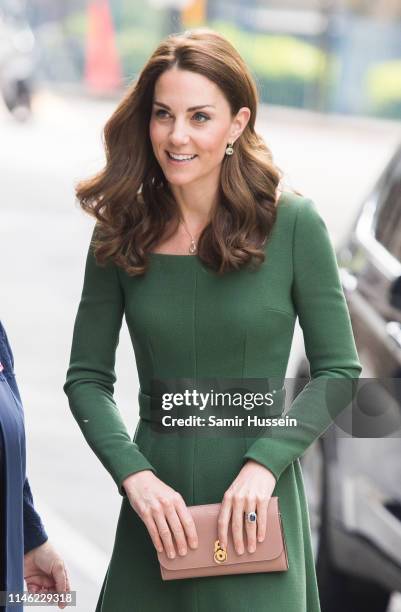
[{"x": 192, "y": 248}]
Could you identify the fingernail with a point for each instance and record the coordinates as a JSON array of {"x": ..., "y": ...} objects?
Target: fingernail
[
  {"x": 183, "y": 551},
  {"x": 171, "y": 555},
  {"x": 251, "y": 549},
  {"x": 194, "y": 543},
  {"x": 241, "y": 551}
]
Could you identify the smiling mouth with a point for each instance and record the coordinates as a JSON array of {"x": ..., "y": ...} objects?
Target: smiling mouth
[{"x": 181, "y": 157}]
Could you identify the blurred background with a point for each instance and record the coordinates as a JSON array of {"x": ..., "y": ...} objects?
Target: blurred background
[
  {"x": 326, "y": 55},
  {"x": 329, "y": 79}
]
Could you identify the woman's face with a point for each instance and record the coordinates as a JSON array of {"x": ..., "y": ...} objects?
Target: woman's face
[{"x": 191, "y": 118}]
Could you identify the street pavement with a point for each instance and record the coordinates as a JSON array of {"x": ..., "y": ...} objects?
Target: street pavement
[{"x": 44, "y": 238}]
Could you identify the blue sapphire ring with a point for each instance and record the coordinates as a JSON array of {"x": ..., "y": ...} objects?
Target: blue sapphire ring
[{"x": 251, "y": 517}]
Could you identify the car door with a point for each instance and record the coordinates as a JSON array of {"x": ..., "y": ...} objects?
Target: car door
[
  {"x": 371, "y": 272},
  {"x": 369, "y": 467}
]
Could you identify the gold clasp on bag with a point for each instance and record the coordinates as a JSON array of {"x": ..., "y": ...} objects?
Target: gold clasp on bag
[{"x": 220, "y": 555}]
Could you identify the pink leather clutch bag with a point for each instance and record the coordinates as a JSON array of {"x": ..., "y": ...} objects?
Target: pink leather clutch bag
[{"x": 209, "y": 559}]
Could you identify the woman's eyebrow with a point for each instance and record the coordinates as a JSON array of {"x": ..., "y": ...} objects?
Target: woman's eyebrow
[{"x": 191, "y": 108}]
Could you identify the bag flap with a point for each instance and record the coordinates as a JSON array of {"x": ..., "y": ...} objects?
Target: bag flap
[{"x": 205, "y": 519}]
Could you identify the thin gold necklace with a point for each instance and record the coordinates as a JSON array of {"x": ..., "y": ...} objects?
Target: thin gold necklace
[{"x": 192, "y": 247}]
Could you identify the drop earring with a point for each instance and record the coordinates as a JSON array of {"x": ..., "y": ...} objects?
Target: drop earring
[{"x": 229, "y": 148}]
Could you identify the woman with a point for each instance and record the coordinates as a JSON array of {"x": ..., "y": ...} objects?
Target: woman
[
  {"x": 25, "y": 549},
  {"x": 188, "y": 198}
]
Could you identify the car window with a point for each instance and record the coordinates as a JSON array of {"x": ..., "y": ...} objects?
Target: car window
[{"x": 388, "y": 222}]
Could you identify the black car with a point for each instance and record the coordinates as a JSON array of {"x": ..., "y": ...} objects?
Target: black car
[{"x": 354, "y": 482}]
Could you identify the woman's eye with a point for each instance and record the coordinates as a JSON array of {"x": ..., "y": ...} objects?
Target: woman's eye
[
  {"x": 201, "y": 117},
  {"x": 161, "y": 113}
]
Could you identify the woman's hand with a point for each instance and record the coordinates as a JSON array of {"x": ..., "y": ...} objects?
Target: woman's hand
[
  {"x": 44, "y": 571},
  {"x": 163, "y": 511},
  {"x": 250, "y": 492}
]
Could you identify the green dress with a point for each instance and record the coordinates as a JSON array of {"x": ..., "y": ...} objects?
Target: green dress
[{"x": 186, "y": 322}]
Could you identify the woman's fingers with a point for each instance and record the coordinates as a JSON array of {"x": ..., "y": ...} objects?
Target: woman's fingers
[
  {"x": 235, "y": 507},
  {"x": 59, "y": 575},
  {"x": 250, "y": 492},
  {"x": 261, "y": 512},
  {"x": 187, "y": 522},
  {"x": 166, "y": 527},
  {"x": 171, "y": 521},
  {"x": 63, "y": 605},
  {"x": 224, "y": 519},
  {"x": 164, "y": 532},
  {"x": 237, "y": 524},
  {"x": 250, "y": 527},
  {"x": 164, "y": 512},
  {"x": 176, "y": 527},
  {"x": 153, "y": 531},
  {"x": 179, "y": 519}
]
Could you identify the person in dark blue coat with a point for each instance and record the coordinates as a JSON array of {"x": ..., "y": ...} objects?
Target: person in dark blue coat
[{"x": 25, "y": 552}]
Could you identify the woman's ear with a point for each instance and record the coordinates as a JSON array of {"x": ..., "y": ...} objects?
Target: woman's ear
[{"x": 239, "y": 122}]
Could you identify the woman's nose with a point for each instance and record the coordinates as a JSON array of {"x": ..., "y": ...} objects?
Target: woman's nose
[{"x": 179, "y": 134}]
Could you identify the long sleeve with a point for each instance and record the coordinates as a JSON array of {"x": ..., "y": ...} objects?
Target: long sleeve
[
  {"x": 329, "y": 344},
  {"x": 90, "y": 378},
  {"x": 34, "y": 532}
]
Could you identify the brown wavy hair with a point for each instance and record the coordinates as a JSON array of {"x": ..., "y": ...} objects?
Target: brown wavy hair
[{"x": 131, "y": 198}]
